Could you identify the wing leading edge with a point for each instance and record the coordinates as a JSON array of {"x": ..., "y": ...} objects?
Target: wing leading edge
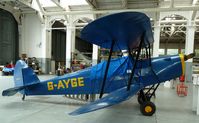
[{"x": 113, "y": 98}]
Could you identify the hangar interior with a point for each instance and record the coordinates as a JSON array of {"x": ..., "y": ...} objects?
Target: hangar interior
[{"x": 47, "y": 32}]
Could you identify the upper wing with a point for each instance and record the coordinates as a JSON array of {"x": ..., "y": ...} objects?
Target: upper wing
[
  {"x": 125, "y": 28},
  {"x": 113, "y": 98}
]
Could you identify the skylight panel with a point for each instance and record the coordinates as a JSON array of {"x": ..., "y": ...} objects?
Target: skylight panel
[
  {"x": 47, "y": 3},
  {"x": 73, "y": 2}
]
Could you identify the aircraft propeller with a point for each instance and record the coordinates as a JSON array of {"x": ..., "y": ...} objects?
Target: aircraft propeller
[{"x": 189, "y": 56}]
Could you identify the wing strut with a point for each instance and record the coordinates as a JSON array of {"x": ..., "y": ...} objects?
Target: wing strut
[
  {"x": 106, "y": 70},
  {"x": 136, "y": 60}
]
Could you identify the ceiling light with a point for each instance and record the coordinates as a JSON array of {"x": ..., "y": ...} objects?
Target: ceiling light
[
  {"x": 194, "y": 2},
  {"x": 16, "y": 8}
]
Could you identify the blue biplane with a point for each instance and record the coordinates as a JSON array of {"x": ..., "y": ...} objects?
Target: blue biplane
[{"x": 119, "y": 78}]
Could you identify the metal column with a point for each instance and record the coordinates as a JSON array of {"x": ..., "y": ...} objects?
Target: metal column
[
  {"x": 189, "y": 48},
  {"x": 156, "y": 43},
  {"x": 69, "y": 43}
]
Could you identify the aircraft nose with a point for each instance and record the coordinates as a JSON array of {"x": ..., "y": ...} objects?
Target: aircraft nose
[{"x": 185, "y": 58}]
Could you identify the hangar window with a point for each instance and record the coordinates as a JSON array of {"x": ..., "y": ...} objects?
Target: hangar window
[
  {"x": 161, "y": 52},
  {"x": 172, "y": 51},
  {"x": 197, "y": 52}
]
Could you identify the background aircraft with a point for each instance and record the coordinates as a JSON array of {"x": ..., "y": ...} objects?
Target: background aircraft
[{"x": 121, "y": 78}]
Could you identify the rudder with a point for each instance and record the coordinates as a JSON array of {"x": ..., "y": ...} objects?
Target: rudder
[{"x": 24, "y": 75}]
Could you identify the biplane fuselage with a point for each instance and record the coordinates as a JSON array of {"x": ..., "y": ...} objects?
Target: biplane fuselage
[{"x": 89, "y": 80}]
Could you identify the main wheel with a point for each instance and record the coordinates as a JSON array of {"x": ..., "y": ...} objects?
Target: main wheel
[{"x": 147, "y": 108}]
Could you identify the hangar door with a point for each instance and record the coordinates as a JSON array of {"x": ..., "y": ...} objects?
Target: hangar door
[
  {"x": 58, "y": 44},
  {"x": 8, "y": 37}
]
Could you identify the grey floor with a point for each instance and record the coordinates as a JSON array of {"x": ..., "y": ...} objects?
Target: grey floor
[{"x": 55, "y": 109}]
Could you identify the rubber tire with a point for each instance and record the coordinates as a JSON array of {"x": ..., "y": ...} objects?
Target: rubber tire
[{"x": 144, "y": 105}]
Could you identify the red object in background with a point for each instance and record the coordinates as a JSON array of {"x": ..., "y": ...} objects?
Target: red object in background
[
  {"x": 9, "y": 66},
  {"x": 182, "y": 78},
  {"x": 181, "y": 87},
  {"x": 81, "y": 66}
]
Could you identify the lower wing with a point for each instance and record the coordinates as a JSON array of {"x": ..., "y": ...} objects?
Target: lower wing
[{"x": 113, "y": 98}]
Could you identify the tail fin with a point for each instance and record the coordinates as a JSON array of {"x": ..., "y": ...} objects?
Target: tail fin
[{"x": 23, "y": 77}]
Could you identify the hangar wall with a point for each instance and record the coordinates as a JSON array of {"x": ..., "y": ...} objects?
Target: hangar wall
[
  {"x": 34, "y": 40},
  {"x": 31, "y": 36}
]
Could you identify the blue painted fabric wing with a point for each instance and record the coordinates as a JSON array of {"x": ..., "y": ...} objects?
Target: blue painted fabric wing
[
  {"x": 124, "y": 28},
  {"x": 113, "y": 98}
]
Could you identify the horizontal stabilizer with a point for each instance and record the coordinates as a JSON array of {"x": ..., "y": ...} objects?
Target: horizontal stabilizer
[
  {"x": 113, "y": 98},
  {"x": 13, "y": 91}
]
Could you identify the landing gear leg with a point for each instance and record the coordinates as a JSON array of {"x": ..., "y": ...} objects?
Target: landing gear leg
[
  {"x": 141, "y": 97},
  {"x": 23, "y": 98}
]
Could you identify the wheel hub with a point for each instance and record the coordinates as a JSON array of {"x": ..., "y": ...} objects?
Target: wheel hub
[{"x": 148, "y": 109}]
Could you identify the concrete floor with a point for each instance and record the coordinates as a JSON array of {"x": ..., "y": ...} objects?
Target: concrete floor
[{"x": 55, "y": 109}]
